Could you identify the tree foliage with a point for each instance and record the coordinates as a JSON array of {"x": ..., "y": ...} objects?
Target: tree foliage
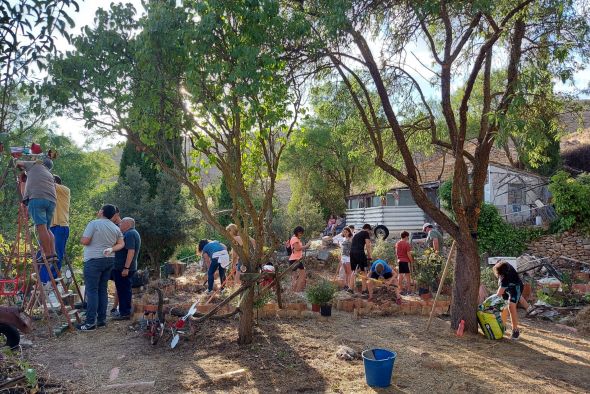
[
  {"x": 571, "y": 198},
  {"x": 218, "y": 75},
  {"x": 329, "y": 155},
  {"x": 161, "y": 219},
  {"x": 28, "y": 30}
]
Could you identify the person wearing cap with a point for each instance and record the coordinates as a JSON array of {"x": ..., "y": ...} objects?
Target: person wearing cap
[
  {"x": 381, "y": 270},
  {"x": 40, "y": 197},
  {"x": 100, "y": 239},
  {"x": 434, "y": 238}
]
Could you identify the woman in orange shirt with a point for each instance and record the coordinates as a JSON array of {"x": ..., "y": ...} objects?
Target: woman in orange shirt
[{"x": 297, "y": 248}]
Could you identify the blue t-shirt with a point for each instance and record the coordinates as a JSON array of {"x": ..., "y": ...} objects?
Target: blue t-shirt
[
  {"x": 386, "y": 268},
  {"x": 132, "y": 241},
  {"x": 212, "y": 247}
]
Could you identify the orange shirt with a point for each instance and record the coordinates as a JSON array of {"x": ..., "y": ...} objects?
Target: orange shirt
[{"x": 296, "y": 254}]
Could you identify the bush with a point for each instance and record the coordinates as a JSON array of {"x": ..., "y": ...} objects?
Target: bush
[
  {"x": 321, "y": 293},
  {"x": 429, "y": 269},
  {"x": 571, "y": 198},
  {"x": 488, "y": 279},
  {"x": 385, "y": 250},
  {"x": 495, "y": 236}
]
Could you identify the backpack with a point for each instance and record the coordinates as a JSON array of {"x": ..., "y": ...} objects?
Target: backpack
[{"x": 288, "y": 247}]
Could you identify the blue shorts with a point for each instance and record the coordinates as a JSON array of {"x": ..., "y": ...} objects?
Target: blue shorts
[{"x": 41, "y": 211}]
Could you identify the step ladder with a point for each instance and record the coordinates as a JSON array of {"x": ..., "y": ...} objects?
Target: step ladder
[{"x": 53, "y": 298}]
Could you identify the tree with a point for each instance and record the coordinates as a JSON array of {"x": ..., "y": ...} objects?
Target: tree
[
  {"x": 161, "y": 219},
  {"x": 464, "y": 39},
  {"x": 329, "y": 154},
  {"x": 219, "y": 76},
  {"x": 28, "y": 29},
  {"x": 88, "y": 175}
]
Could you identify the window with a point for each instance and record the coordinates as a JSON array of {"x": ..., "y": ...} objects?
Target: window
[
  {"x": 390, "y": 200},
  {"x": 405, "y": 198},
  {"x": 516, "y": 194},
  {"x": 376, "y": 201}
]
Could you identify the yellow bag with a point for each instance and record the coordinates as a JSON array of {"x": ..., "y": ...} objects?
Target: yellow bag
[{"x": 491, "y": 325}]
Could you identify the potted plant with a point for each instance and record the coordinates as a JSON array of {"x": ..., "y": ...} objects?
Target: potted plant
[{"x": 321, "y": 295}]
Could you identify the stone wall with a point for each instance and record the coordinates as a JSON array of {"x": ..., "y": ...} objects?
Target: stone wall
[{"x": 570, "y": 244}]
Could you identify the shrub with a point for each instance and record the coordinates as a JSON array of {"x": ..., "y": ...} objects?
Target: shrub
[
  {"x": 488, "y": 279},
  {"x": 385, "y": 251},
  {"x": 495, "y": 236},
  {"x": 429, "y": 269},
  {"x": 571, "y": 198},
  {"x": 321, "y": 293}
]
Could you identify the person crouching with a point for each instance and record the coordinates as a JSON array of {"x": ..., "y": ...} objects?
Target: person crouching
[{"x": 380, "y": 269}]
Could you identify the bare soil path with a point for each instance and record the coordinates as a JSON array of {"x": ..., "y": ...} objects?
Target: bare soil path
[{"x": 298, "y": 355}]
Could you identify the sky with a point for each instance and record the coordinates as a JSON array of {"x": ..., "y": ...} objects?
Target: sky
[
  {"x": 78, "y": 133},
  {"x": 69, "y": 127}
]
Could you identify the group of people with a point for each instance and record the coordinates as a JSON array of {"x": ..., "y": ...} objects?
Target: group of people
[
  {"x": 48, "y": 203},
  {"x": 111, "y": 248}
]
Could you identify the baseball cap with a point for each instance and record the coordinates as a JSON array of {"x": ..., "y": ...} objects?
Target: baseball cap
[{"x": 426, "y": 225}]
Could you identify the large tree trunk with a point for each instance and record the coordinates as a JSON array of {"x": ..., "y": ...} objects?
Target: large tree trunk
[
  {"x": 246, "y": 329},
  {"x": 466, "y": 286}
]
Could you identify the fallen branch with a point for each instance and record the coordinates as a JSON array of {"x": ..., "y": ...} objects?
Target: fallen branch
[
  {"x": 231, "y": 374},
  {"x": 129, "y": 385}
]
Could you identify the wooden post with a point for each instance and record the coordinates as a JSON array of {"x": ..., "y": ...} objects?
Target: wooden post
[
  {"x": 278, "y": 290},
  {"x": 440, "y": 285}
]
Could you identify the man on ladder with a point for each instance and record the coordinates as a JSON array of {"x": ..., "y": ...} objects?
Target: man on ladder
[{"x": 40, "y": 197}]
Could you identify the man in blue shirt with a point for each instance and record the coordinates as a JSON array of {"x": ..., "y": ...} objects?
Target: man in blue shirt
[
  {"x": 215, "y": 257},
  {"x": 380, "y": 269},
  {"x": 126, "y": 266}
]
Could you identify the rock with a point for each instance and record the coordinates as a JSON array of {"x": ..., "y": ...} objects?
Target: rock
[
  {"x": 346, "y": 353},
  {"x": 26, "y": 343}
]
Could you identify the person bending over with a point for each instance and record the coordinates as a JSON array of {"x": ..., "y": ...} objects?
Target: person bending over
[
  {"x": 215, "y": 257},
  {"x": 510, "y": 287},
  {"x": 380, "y": 270}
]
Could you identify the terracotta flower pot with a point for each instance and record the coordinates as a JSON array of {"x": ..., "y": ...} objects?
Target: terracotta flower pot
[{"x": 315, "y": 307}]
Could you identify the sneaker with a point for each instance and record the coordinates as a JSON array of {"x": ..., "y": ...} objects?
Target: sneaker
[
  {"x": 101, "y": 324},
  {"x": 86, "y": 327},
  {"x": 114, "y": 312},
  {"x": 121, "y": 317},
  {"x": 515, "y": 335}
]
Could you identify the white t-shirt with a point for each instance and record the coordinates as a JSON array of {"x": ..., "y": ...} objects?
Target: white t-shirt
[{"x": 103, "y": 234}]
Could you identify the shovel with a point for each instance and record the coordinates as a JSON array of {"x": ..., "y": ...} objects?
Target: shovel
[{"x": 180, "y": 324}]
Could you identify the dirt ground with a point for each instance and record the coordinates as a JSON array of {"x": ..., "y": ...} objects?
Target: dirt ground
[{"x": 298, "y": 355}]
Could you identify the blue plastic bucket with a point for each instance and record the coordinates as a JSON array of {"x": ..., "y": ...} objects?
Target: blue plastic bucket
[{"x": 378, "y": 366}]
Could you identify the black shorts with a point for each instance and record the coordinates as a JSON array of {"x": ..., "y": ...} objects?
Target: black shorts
[
  {"x": 513, "y": 293},
  {"x": 404, "y": 267},
  {"x": 387, "y": 275},
  {"x": 299, "y": 266},
  {"x": 358, "y": 259}
]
